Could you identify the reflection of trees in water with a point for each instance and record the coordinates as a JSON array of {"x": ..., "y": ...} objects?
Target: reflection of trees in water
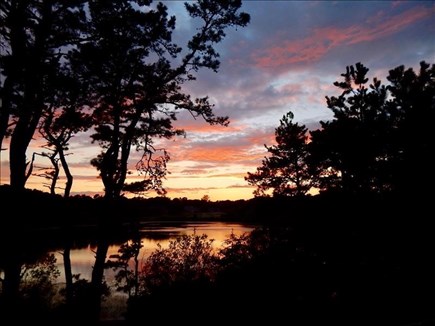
[
  {"x": 159, "y": 235},
  {"x": 30, "y": 281},
  {"x": 37, "y": 288},
  {"x": 29, "y": 287},
  {"x": 282, "y": 272}
]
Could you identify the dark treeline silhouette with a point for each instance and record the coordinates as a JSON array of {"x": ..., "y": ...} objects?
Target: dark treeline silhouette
[{"x": 378, "y": 141}]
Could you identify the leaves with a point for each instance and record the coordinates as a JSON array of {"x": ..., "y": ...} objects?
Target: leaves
[
  {"x": 286, "y": 170},
  {"x": 134, "y": 85}
]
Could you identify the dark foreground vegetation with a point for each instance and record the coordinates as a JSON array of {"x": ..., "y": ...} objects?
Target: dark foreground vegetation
[{"x": 332, "y": 258}]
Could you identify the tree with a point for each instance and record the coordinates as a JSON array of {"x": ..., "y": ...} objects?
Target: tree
[
  {"x": 127, "y": 279},
  {"x": 286, "y": 170},
  {"x": 379, "y": 140},
  {"x": 59, "y": 125},
  {"x": 135, "y": 73},
  {"x": 350, "y": 152},
  {"x": 412, "y": 110},
  {"x": 36, "y": 37},
  {"x": 188, "y": 258}
]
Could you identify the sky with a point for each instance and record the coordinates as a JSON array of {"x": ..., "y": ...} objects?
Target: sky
[{"x": 286, "y": 59}]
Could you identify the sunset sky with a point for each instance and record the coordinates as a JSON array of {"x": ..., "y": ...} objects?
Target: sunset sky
[{"x": 287, "y": 58}]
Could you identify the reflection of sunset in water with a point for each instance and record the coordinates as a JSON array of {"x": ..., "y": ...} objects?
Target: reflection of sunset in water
[{"x": 83, "y": 259}]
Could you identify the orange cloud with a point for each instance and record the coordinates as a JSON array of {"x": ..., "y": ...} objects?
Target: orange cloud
[
  {"x": 223, "y": 154},
  {"x": 322, "y": 40},
  {"x": 243, "y": 149}
]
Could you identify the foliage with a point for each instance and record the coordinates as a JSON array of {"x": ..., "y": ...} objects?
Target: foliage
[
  {"x": 134, "y": 73},
  {"x": 37, "y": 281},
  {"x": 115, "y": 61},
  {"x": 126, "y": 278},
  {"x": 187, "y": 259},
  {"x": 286, "y": 170},
  {"x": 36, "y": 37},
  {"x": 349, "y": 151},
  {"x": 59, "y": 124},
  {"x": 412, "y": 110},
  {"x": 379, "y": 140}
]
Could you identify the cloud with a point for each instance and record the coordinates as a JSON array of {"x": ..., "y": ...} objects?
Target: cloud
[
  {"x": 321, "y": 40},
  {"x": 242, "y": 147}
]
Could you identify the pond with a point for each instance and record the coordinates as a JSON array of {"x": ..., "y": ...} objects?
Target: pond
[
  {"x": 34, "y": 267},
  {"x": 152, "y": 234}
]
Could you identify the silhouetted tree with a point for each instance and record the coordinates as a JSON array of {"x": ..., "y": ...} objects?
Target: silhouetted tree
[
  {"x": 50, "y": 173},
  {"x": 127, "y": 278},
  {"x": 59, "y": 125},
  {"x": 36, "y": 38},
  {"x": 349, "y": 151},
  {"x": 139, "y": 187},
  {"x": 38, "y": 281},
  {"x": 134, "y": 73},
  {"x": 286, "y": 170},
  {"x": 181, "y": 275},
  {"x": 134, "y": 85},
  {"x": 379, "y": 139},
  {"x": 27, "y": 283},
  {"x": 412, "y": 111},
  {"x": 187, "y": 258}
]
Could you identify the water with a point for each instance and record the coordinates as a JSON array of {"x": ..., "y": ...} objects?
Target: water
[
  {"x": 43, "y": 278},
  {"x": 152, "y": 234}
]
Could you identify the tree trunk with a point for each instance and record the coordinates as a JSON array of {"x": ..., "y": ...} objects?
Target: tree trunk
[
  {"x": 5, "y": 110},
  {"x": 11, "y": 286},
  {"x": 55, "y": 175},
  {"x": 97, "y": 285},
  {"x": 69, "y": 176},
  {"x": 17, "y": 36},
  {"x": 17, "y": 157},
  {"x": 30, "y": 111}
]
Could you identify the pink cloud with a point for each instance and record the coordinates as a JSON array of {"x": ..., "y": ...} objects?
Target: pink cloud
[
  {"x": 222, "y": 154},
  {"x": 229, "y": 148},
  {"x": 313, "y": 47}
]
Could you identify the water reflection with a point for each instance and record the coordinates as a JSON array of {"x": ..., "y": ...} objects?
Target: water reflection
[
  {"x": 72, "y": 284},
  {"x": 152, "y": 234}
]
